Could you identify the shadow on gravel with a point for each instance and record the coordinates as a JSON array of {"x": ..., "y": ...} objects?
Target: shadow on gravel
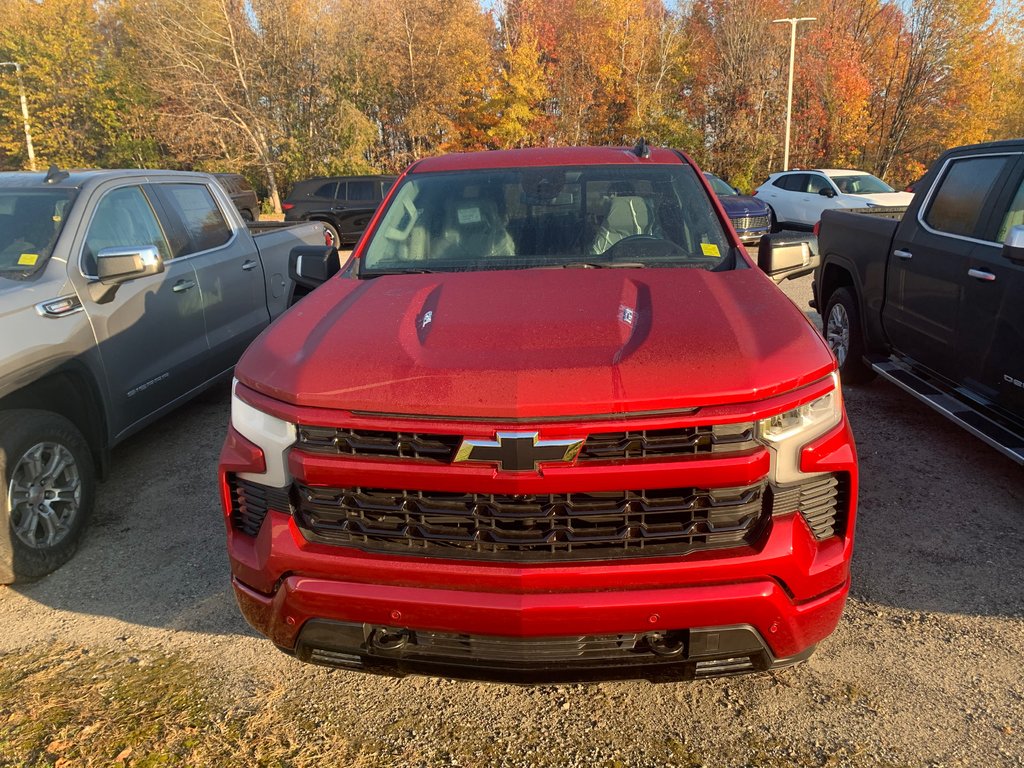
[
  {"x": 154, "y": 553},
  {"x": 941, "y": 518}
]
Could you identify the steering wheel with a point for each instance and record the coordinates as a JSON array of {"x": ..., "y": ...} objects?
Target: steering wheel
[{"x": 647, "y": 245}]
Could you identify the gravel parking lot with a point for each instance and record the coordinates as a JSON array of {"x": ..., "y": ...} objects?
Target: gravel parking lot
[{"x": 925, "y": 668}]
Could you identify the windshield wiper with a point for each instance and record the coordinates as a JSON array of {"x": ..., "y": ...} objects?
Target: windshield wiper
[
  {"x": 379, "y": 272},
  {"x": 602, "y": 265}
]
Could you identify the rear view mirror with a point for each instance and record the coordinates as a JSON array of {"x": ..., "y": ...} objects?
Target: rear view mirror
[
  {"x": 311, "y": 265},
  {"x": 1013, "y": 247},
  {"x": 783, "y": 256}
]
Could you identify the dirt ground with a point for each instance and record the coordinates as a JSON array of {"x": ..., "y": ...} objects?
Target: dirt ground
[{"x": 135, "y": 653}]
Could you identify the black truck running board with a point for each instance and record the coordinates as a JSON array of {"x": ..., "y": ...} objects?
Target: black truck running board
[{"x": 953, "y": 407}]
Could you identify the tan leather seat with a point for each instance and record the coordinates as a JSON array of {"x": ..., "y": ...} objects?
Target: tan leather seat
[{"x": 627, "y": 216}]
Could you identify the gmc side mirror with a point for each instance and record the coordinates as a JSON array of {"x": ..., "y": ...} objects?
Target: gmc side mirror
[
  {"x": 311, "y": 265},
  {"x": 1013, "y": 247},
  {"x": 783, "y": 255}
]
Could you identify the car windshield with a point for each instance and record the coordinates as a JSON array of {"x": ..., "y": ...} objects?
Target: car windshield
[
  {"x": 861, "y": 184},
  {"x": 592, "y": 216},
  {"x": 720, "y": 187},
  {"x": 30, "y": 221}
]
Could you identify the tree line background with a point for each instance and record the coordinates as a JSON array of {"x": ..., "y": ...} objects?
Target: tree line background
[{"x": 286, "y": 89}]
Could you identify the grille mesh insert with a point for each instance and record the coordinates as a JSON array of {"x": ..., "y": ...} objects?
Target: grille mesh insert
[
  {"x": 523, "y": 527},
  {"x": 250, "y": 503}
]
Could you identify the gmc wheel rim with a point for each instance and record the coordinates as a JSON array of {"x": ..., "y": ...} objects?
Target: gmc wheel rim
[
  {"x": 44, "y": 495},
  {"x": 837, "y": 332}
]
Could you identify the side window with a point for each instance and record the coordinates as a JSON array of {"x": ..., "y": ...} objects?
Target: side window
[
  {"x": 325, "y": 191},
  {"x": 1014, "y": 217},
  {"x": 959, "y": 201},
  {"x": 359, "y": 190},
  {"x": 795, "y": 182},
  {"x": 816, "y": 183},
  {"x": 385, "y": 188},
  {"x": 123, "y": 218},
  {"x": 782, "y": 182},
  {"x": 196, "y": 210}
]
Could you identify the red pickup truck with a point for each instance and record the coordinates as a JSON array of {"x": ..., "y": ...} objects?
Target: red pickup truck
[{"x": 551, "y": 418}]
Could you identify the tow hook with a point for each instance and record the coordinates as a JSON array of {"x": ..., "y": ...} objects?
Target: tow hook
[
  {"x": 388, "y": 639},
  {"x": 665, "y": 643}
]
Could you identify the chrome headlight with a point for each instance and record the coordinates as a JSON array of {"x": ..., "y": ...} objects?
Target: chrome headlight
[
  {"x": 274, "y": 436},
  {"x": 786, "y": 434}
]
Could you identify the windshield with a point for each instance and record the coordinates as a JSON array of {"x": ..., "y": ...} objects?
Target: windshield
[
  {"x": 30, "y": 221},
  {"x": 720, "y": 187},
  {"x": 861, "y": 184},
  {"x": 593, "y": 216}
]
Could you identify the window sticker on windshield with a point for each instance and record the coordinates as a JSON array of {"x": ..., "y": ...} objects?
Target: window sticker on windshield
[
  {"x": 469, "y": 215},
  {"x": 710, "y": 249},
  {"x": 28, "y": 259}
]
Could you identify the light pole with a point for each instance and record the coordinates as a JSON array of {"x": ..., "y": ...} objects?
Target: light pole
[
  {"x": 789, "y": 98},
  {"x": 24, "y": 112}
]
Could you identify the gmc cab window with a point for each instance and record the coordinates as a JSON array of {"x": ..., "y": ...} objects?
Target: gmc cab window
[{"x": 552, "y": 420}]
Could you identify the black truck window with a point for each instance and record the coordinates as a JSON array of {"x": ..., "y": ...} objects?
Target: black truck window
[{"x": 959, "y": 201}]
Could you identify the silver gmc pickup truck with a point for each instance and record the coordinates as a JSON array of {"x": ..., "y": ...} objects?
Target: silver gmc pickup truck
[{"x": 122, "y": 294}]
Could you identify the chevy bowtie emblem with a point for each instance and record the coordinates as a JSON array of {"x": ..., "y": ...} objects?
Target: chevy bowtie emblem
[{"x": 518, "y": 451}]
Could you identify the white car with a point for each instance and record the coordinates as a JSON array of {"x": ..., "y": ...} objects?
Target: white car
[{"x": 797, "y": 198}]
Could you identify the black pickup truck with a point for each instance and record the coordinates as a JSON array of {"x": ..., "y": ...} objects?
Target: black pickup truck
[{"x": 934, "y": 301}]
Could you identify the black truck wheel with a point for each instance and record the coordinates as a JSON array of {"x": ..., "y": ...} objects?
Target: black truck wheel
[
  {"x": 845, "y": 337},
  {"x": 47, "y": 486}
]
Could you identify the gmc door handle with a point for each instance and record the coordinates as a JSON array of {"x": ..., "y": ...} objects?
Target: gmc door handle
[
  {"x": 183, "y": 285},
  {"x": 903, "y": 254},
  {"x": 981, "y": 274},
  {"x": 250, "y": 264}
]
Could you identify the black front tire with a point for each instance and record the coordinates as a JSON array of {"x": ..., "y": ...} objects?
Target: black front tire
[
  {"x": 47, "y": 489},
  {"x": 845, "y": 336}
]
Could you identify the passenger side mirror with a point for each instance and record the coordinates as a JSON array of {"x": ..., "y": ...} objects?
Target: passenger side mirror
[
  {"x": 311, "y": 265},
  {"x": 783, "y": 256},
  {"x": 827, "y": 192},
  {"x": 1013, "y": 247}
]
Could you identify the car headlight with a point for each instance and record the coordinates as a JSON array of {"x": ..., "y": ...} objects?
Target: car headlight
[
  {"x": 786, "y": 434},
  {"x": 274, "y": 436}
]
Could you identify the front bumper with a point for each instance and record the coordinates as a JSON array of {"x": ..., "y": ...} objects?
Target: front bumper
[{"x": 774, "y": 600}]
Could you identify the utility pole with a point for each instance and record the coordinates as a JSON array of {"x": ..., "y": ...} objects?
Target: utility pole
[
  {"x": 789, "y": 98},
  {"x": 24, "y": 112}
]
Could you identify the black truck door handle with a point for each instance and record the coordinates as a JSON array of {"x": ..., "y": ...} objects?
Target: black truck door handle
[
  {"x": 903, "y": 254},
  {"x": 981, "y": 274}
]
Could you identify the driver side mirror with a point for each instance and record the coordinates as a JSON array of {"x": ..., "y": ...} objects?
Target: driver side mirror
[
  {"x": 783, "y": 256},
  {"x": 115, "y": 266},
  {"x": 827, "y": 192},
  {"x": 311, "y": 265}
]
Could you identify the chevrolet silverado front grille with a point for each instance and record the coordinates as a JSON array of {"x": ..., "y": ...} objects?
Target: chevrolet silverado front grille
[
  {"x": 533, "y": 527},
  {"x": 599, "y": 446}
]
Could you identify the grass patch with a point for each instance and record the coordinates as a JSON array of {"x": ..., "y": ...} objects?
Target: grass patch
[{"x": 72, "y": 706}]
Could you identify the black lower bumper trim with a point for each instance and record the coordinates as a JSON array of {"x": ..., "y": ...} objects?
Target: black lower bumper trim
[{"x": 682, "y": 654}]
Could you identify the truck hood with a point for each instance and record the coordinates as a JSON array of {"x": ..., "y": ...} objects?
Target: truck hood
[{"x": 537, "y": 343}]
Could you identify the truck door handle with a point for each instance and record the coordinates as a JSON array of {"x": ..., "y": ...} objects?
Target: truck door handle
[
  {"x": 183, "y": 285},
  {"x": 903, "y": 254},
  {"x": 981, "y": 274},
  {"x": 250, "y": 264}
]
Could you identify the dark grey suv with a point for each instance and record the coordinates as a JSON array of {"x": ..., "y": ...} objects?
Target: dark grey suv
[{"x": 345, "y": 204}]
